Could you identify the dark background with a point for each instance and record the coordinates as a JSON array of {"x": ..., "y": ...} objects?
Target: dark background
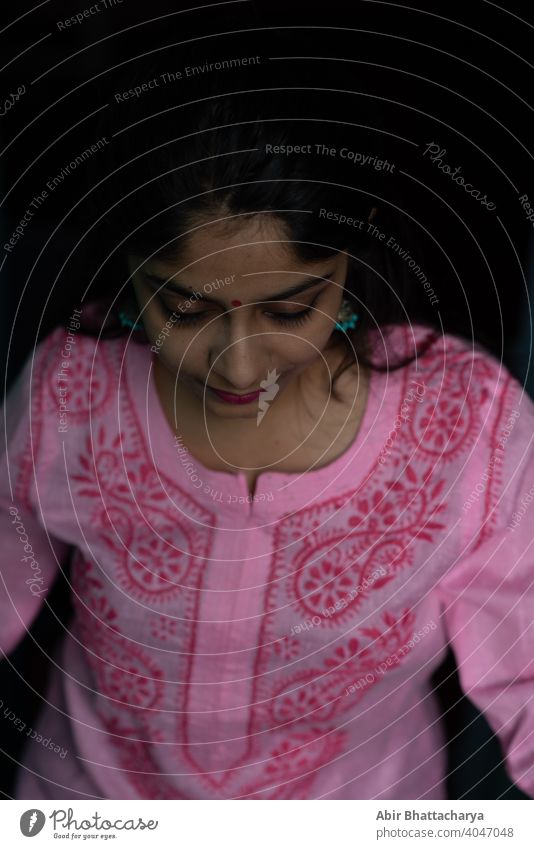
[{"x": 456, "y": 74}]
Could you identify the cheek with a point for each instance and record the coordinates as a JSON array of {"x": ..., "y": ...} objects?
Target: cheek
[
  {"x": 182, "y": 355},
  {"x": 299, "y": 349}
]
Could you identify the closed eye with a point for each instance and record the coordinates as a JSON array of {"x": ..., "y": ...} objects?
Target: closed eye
[
  {"x": 285, "y": 318},
  {"x": 194, "y": 317},
  {"x": 291, "y": 317}
]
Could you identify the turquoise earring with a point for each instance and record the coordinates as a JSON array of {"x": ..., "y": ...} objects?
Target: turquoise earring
[
  {"x": 346, "y": 318},
  {"x": 127, "y": 322}
]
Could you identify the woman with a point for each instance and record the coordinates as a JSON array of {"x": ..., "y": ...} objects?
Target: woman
[{"x": 286, "y": 496}]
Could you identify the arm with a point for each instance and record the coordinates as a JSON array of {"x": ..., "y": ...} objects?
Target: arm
[
  {"x": 488, "y": 607},
  {"x": 29, "y": 558}
]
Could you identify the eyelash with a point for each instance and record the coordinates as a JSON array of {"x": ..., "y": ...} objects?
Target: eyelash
[{"x": 292, "y": 319}]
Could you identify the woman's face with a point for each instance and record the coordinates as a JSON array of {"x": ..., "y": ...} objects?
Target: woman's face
[{"x": 233, "y": 324}]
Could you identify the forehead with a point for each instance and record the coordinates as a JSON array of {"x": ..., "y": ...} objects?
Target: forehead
[{"x": 259, "y": 245}]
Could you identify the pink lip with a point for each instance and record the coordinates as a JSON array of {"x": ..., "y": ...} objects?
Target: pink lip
[{"x": 232, "y": 398}]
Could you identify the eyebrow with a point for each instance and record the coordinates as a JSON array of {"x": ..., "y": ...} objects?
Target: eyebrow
[{"x": 294, "y": 290}]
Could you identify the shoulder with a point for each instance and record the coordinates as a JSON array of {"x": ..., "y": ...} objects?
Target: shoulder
[
  {"x": 452, "y": 366},
  {"x": 67, "y": 376},
  {"x": 457, "y": 399},
  {"x": 446, "y": 365},
  {"x": 468, "y": 373},
  {"x": 479, "y": 414},
  {"x": 431, "y": 349}
]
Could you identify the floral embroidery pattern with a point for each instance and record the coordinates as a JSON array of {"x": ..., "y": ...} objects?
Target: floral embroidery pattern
[
  {"x": 154, "y": 548},
  {"x": 150, "y": 565}
]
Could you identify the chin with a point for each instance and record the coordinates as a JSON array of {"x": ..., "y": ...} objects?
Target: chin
[
  {"x": 222, "y": 407},
  {"x": 231, "y": 412}
]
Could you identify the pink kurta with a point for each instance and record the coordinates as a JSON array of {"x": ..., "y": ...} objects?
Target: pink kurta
[{"x": 280, "y": 648}]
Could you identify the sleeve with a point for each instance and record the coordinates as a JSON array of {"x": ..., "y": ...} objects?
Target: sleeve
[
  {"x": 29, "y": 556},
  {"x": 487, "y": 602}
]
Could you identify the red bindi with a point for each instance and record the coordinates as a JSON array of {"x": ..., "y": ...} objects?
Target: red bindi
[{"x": 236, "y": 303}]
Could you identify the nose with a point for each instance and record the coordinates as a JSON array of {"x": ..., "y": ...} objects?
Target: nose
[{"x": 236, "y": 357}]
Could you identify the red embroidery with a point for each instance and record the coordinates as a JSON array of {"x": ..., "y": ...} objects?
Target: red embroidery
[
  {"x": 494, "y": 467},
  {"x": 91, "y": 385},
  {"x": 320, "y": 693},
  {"x": 347, "y": 548},
  {"x": 301, "y": 753},
  {"x": 92, "y": 604},
  {"x": 154, "y": 547},
  {"x": 124, "y": 673},
  {"x": 447, "y": 423},
  {"x": 139, "y": 766},
  {"x": 27, "y": 458},
  {"x": 163, "y": 627},
  {"x": 341, "y": 563}
]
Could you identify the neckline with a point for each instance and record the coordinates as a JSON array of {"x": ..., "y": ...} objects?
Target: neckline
[{"x": 276, "y": 492}]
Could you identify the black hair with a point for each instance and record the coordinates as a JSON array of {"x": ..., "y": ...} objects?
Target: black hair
[{"x": 195, "y": 136}]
